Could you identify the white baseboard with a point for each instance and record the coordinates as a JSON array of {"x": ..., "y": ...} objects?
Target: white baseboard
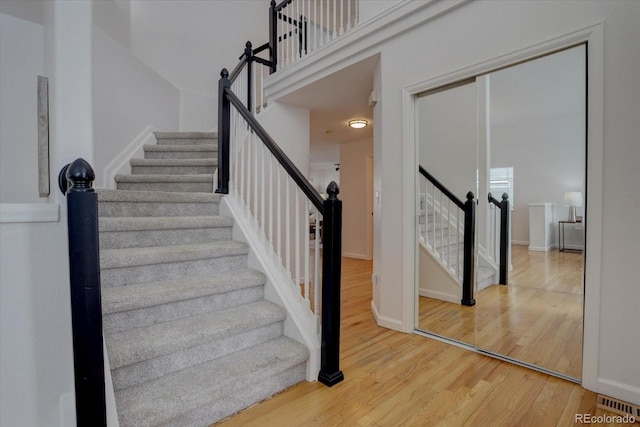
[
  {"x": 386, "y": 322},
  {"x": 442, "y": 296},
  {"x": 120, "y": 164},
  {"x": 356, "y": 255},
  {"x": 618, "y": 390}
]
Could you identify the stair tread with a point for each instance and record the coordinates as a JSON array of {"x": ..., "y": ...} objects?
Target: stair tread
[
  {"x": 184, "y": 147},
  {"x": 169, "y": 397},
  {"x": 173, "y": 162},
  {"x": 142, "y": 295},
  {"x": 138, "y": 223},
  {"x": 186, "y": 135},
  {"x": 139, "y": 344},
  {"x": 105, "y": 195},
  {"x": 203, "y": 177},
  {"x": 128, "y": 257}
]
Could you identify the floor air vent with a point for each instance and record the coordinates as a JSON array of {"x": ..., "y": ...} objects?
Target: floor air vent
[{"x": 618, "y": 406}]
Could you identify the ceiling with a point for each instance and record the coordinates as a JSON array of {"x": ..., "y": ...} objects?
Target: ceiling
[{"x": 336, "y": 99}]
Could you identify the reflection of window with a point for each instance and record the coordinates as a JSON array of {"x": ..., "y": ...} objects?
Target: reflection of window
[{"x": 500, "y": 182}]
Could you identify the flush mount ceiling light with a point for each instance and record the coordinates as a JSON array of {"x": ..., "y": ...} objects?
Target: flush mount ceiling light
[{"x": 358, "y": 124}]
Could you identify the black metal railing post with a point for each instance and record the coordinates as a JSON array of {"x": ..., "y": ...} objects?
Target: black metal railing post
[
  {"x": 330, "y": 373},
  {"x": 224, "y": 129},
  {"x": 503, "y": 268},
  {"x": 75, "y": 181},
  {"x": 248, "y": 52},
  {"x": 469, "y": 250},
  {"x": 273, "y": 36}
]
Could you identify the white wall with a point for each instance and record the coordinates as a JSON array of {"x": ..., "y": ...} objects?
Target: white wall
[
  {"x": 538, "y": 128},
  {"x": 447, "y": 137},
  {"x": 355, "y": 196},
  {"x": 21, "y": 62},
  {"x": 370, "y": 8},
  {"x": 36, "y": 364},
  {"x": 128, "y": 96},
  {"x": 198, "y": 113},
  {"x": 293, "y": 138}
]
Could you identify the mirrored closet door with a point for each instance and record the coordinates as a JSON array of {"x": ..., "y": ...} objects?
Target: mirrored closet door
[{"x": 519, "y": 134}]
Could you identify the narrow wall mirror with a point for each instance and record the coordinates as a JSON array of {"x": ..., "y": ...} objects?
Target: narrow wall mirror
[{"x": 519, "y": 131}]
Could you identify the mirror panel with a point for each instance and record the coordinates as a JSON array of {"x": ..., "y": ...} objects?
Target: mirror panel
[{"x": 521, "y": 131}]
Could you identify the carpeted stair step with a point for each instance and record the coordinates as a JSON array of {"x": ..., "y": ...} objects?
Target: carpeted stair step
[
  {"x": 128, "y": 232},
  {"x": 138, "y": 265},
  {"x": 170, "y": 183},
  {"x": 156, "y": 203},
  {"x": 154, "y": 151},
  {"x": 145, "y": 304},
  {"x": 186, "y": 138},
  {"x": 206, "y": 393},
  {"x": 173, "y": 166},
  {"x": 142, "y": 354}
]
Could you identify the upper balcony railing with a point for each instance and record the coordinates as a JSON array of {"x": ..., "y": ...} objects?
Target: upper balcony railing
[{"x": 299, "y": 27}]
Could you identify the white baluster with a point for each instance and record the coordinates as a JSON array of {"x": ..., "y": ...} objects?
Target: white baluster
[
  {"x": 263, "y": 179},
  {"x": 287, "y": 225},
  {"x": 297, "y": 237},
  {"x": 306, "y": 251},
  {"x": 271, "y": 194},
  {"x": 317, "y": 266},
  {"x": 335, "y": 20},
  {"x": 279, "y": 217},
  {"x": 341, "y": 17},
  {"x": 349, "y": 14}
]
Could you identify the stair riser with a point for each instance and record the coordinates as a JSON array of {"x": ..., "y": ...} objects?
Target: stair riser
[
  {"x": 131, "y": 319},
  {"x": 137, "y": 209},
  {"x": 187, "y": 141},
  {"x": 152, "y": 238},
  {"x": 183, "y": 187},
  {"x": 172, "y": 170},
  {"x": 243, "y": 396},
  {"x": 138, "y": 373},
  {"x": 173, "y": 270},
  {"x": 180, "y": 155}
]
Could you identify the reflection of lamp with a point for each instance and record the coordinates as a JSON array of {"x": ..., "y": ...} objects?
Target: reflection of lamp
[{"x": 573, "y": 199}]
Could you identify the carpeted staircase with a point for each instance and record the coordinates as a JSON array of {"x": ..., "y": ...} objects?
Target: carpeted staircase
[{"x": 190, "y": 337}]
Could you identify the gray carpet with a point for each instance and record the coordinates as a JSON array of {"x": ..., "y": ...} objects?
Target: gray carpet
[{"x": 190, "y": 337}]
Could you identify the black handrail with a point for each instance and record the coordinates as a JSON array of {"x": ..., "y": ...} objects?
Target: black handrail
[
  {"x": 331, "y": 210},
  {"x": 295, "y": 174},
  {"x": 468, "y": 257},
  {"x": 504, "y": 235},
  {"x": 441, "y": 187},
  {"x": 75, "y": 181}
]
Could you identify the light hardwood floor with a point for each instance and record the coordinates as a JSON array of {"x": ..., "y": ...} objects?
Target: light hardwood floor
[
  {"x": 537, "y": 318},
  {"x": 397, "y": 379}
]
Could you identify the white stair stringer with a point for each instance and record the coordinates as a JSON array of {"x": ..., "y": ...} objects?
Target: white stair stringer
[{"x": 301, "y": 323}]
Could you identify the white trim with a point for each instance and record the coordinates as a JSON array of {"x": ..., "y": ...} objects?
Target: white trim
[
  {"x": 29, "y": 212},
  {"x": 442, "y": 296},
  {"x": 593, "y": 36},
  {"x": 619, "y": 390},
  {"x": 387, "y": 322},
  {"x": 356, "y": 256},
  {"x": 120, "y": 164}
]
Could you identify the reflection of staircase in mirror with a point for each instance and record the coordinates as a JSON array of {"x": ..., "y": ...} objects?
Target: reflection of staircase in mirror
[{"x": 441, "y": 257}]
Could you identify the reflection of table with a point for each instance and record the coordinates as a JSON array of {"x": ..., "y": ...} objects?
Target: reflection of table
[{"x": 561, "y": 235}]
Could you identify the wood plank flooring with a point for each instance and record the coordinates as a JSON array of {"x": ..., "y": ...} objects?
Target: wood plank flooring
[
  {"x": 396, "y": 379},
  {"x": 537, "y": 318}
]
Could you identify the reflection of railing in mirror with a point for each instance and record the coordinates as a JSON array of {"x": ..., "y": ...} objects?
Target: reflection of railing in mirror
[
  {"x": 447, "y": 230},
  {"x": 501, "y": 254}
]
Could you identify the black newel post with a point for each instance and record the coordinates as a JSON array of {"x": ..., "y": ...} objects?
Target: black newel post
[
  {"x": 504, "y": 238},
  {"x": 273, "y": 36},
  {"x": 469, "y": 243},
  {"x": 330, "y": 373},
  {"x": 224, "y": 129},
  {"x": 248, "y": 52},
  {"x": 86, "y": 308}
]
